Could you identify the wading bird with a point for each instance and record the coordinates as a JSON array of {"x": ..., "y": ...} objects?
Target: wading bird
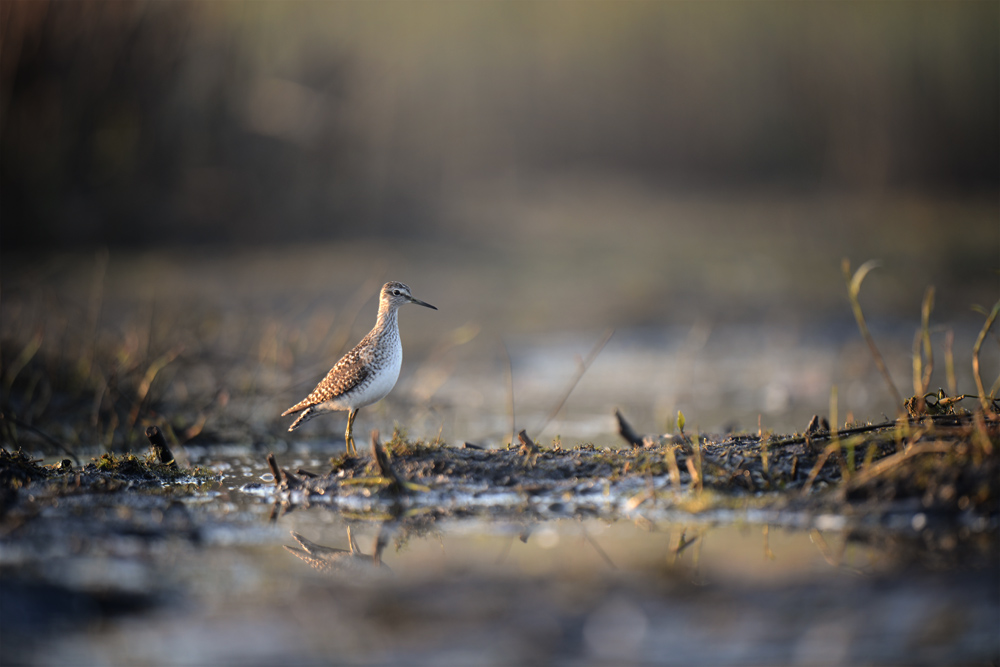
[{"x": 367, "y": 373}]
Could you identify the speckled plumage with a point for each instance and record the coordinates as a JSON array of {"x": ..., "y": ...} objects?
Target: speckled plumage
[{"x": 368, "y": 372}]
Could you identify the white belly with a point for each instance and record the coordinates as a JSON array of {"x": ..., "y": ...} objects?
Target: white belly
[{"x": 382, "y": 384}]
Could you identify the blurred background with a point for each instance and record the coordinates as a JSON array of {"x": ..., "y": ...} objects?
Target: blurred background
[{"x": 200, "y": 200}]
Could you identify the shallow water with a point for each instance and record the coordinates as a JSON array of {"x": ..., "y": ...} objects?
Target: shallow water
[{"x": 204, "y": 577}]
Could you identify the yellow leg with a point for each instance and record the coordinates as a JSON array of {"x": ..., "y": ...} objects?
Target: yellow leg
[{"x": 348, "y": 437}]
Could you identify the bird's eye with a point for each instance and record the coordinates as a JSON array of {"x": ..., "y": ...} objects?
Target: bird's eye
[{"x": 396, "y": 292}]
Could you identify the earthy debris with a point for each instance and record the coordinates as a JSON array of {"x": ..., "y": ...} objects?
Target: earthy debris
[
  {"x": 283, "y": 479},
  {"x": 272, "y": 463},
  {"x": 396, "y": 484},
  {"x": 159, "y": 446},
  {"x": 817, "y": 425},
  {"x": 528, "y": 447},
  {"x": 626, "y": 431},
  {"x": 949, "y": 463}
]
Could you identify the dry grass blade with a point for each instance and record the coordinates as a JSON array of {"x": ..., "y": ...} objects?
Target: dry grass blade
[
  {"x": 638, "y": 499},
  {"x": 340, "y": 341},
  {"x": 925, "y": 318},
  {"x": 86, "y": 362},
  {"x": 824, "y": 549},
  {"x": 820, "y": 462},
  {"x": 27, "y": 353},
  {"x": 853, "y": 288},
  {"x": 923, "y": 353},
  {"x": 693, "y": 471},
  {"x": 893, "y": 461},
  {"x": 41, "y": 434},
  {"x": 147, "y": 381},
  {"x": 768, "y": 554},
  {"x": 600, "y": 552},
  {"x": 983, "y": 399},
  {"x": 675, "y": 471},
  {"x": 949, "y": 362},
  {"x": 981, "y": 435},
  {"x": 584, "y": 365},
  {"x": 509, "y": 376},
  {"x": 854, "y": 282}
]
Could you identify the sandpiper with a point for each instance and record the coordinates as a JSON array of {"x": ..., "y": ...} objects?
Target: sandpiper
[
  {"x": 367, "y": 373},
  {"x": 344, "y": 561}
]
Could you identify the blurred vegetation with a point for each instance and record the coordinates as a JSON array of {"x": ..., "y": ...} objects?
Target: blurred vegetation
[
  {"x": 242, "y": 122},
  {"x": 528, "y": 167}
]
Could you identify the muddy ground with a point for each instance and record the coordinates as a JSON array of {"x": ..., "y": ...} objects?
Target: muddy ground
[{"x": 150, "y": 550}]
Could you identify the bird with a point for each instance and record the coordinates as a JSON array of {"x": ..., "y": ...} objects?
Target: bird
[
  {"x": 367, "y": 373},
  {"x": 343, "y": 561}
]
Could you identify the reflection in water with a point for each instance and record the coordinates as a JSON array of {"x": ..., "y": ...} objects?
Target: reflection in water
[
  {"x": 332, "y": 560},
  {"x": 465, "y": 590},
  {"x": 694, "y": 592},
  {"x": 547, "y": 537}
]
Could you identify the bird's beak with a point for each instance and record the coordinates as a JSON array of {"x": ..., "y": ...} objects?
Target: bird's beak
[{"x": 421, "y": 303}]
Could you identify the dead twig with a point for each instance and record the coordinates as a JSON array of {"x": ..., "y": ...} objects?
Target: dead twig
[
  {"x": 528, "y": 448},
  {"x": 159, "y": 445},
  {"x": 626, "y": 431},
  {"x": 397, "y": 484},
  {"x": 272, "y": 463},
  {"x": 282, "y": 478},
  {"x": 385, "y": 468},
  {"x": 41, "y": 434},
  {"x": 817, "y": 425}
]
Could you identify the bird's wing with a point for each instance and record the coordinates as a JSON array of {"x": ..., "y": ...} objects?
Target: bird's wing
[{"x": 346, "y": 374}]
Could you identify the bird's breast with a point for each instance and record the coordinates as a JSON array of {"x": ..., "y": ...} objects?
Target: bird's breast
[{"x": 385, "y": 367}]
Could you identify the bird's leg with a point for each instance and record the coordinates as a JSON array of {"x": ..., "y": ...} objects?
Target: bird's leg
[{"x": 348, "y": 437}]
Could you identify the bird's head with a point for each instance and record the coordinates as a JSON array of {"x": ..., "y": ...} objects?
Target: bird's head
[{"x": 396, "y": 294}]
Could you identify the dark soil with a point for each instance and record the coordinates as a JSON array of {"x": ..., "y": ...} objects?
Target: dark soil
[{"x": 947, "y": 464}]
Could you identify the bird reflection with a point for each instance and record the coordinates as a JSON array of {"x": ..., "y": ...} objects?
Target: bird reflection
[{"x": 336, "y": 561}]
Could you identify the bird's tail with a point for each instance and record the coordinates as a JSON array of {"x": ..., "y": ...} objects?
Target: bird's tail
[
  {"x": 301, "y": 405},
  {"x": 306, "y": 415},
  {"x": 310, "y": 548}
]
